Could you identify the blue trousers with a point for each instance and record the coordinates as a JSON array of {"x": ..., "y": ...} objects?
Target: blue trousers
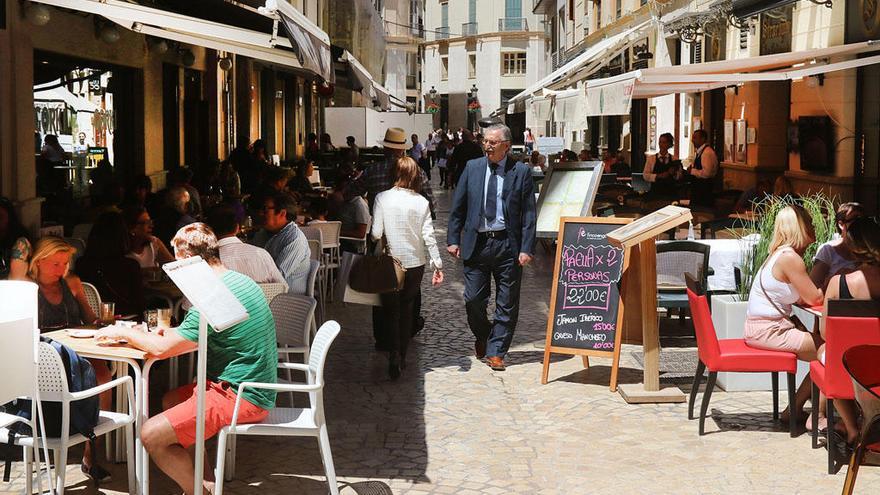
[{"x": 492, "y": 259}]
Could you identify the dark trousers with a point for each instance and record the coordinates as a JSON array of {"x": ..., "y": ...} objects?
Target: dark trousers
[
  {"x": 426, "y": 166},
  {"x": 399, "y": 311},
  {"x": 492, "y": 259}
]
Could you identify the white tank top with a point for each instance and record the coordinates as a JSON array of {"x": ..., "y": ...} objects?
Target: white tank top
[
  {"x": 784, "y": 295},
  {"x": 147, "y": 258}
]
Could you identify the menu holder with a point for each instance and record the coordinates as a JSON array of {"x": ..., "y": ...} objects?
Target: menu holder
[
  {"x": 586, "y": 310},
  {"x": 568, "y": 190},
  {"x": 637, "y": 238}
]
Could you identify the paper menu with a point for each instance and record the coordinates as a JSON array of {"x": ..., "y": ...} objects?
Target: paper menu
[{"x": 207, "y": 292}]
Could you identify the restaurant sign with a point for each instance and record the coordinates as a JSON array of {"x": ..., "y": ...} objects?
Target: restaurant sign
[{"x": 776, "y": 27}]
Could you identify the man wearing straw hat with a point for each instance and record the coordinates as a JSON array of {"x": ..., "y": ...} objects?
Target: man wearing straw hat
[{"x": 378, "y": 178}]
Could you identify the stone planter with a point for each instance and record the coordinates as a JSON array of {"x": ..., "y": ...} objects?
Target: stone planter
[{"x": 729, "y": 318}]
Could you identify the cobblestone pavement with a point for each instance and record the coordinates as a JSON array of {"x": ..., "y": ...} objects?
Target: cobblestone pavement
[{"x": 450, "y": 425}]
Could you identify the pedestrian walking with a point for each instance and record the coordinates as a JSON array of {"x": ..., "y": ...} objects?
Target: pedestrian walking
[
  {"x": 419, "y": 154},
  {"x": 403, "y": 217},
  {"x": 376, "y": 179},
  {"x": 467, "y": 149},
  {"x": 492, "y": 229}
]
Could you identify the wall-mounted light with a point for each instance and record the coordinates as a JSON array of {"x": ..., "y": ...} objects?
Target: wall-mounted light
[
  {"x": 158, "y": 46},
  {"x": 108, "y": 33},
  {"x": 225, "y": 64},
  {"x": 187, "y": 58},
  {"x": 37, "y": 14}
]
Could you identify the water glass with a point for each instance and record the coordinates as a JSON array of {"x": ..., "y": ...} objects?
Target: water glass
[
  {"x": 151, "y": 319},
  {"x": 163, "y": 318},
  {"x": 108, "y": 313}
]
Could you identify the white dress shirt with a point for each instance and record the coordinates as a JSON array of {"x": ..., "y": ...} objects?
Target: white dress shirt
[
  {"x": 708, "y": 160},
  {"x": 650, "y": 161},
  {"x": 249, "y": 260},
  {"x": 498, "y": 223},
  {"x": 404, "y": 218}
]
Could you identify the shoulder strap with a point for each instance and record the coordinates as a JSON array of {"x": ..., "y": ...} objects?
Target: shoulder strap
[{"x": 761, "y": 285}]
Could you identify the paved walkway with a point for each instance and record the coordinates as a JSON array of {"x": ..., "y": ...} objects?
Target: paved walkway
[{"x": 450, "y": 425}]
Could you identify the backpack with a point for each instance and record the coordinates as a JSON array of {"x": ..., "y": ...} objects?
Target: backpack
[{"x": 83, "y": 413}]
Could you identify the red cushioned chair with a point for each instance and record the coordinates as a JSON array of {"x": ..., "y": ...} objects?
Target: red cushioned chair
[
  {"x": 849, "y": 323},
  {"x": 732, "y": 355},
  {"x": 861, "y": 364}
]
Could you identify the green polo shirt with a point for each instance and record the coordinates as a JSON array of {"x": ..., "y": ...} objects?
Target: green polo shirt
[{"x": 245, "y": 352}]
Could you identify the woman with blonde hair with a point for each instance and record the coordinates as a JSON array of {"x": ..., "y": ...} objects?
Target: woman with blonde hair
[
  {"x": 781, "y": 282},
  {"x": 402, "y": 215},
  {"x": 62, "y": 303}
]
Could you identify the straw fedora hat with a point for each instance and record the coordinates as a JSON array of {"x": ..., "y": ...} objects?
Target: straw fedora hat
[{"x": 395, "y": 137}]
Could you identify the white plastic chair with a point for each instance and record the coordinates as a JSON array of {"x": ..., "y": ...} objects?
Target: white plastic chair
[
  {"x": 288, "y": 421},
  {"x": 53, "y": 388},
  {"x": 294, "y": 317},
  {"x": 93, "y": 296},
  {"x": 272, "y": 289},
  {"x": 360, "y": 242},
  {"x": 330, "y": 244},
  {"x": 314, "y": 268}
]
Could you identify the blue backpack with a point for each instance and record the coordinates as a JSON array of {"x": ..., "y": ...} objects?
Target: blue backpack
[{"x": 83, "y": 413}]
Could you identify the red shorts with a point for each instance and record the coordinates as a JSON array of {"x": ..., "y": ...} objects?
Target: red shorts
[{"x": 219, "y": 406}]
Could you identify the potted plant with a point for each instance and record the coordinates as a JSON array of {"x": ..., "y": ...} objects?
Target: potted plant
[{"x": 729, "y": 310}]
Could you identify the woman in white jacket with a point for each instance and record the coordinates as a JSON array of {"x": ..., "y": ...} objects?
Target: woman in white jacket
[{"x": 402, "y": 215}]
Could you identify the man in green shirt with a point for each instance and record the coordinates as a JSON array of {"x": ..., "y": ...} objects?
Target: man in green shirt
[{"x": 246, "y": 352}]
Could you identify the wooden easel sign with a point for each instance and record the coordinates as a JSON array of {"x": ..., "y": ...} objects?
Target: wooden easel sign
[{"x": 586, "y": 310}]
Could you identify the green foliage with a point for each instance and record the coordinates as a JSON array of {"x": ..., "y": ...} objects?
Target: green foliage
[{"x": 755, "y": 252}]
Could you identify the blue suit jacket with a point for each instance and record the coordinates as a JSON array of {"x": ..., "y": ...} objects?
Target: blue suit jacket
[{"x": 518, "y": 201}]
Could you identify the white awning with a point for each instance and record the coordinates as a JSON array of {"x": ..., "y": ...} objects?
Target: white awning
[
  {"x": 192, "y": 30},
  {"x": 310, "y": 42},
  {"x": 589, "y": 61},
  {"x": 60, "y": 93},
  {"x": 659, "y": 81},
  {"x": 369, "y": 86}
]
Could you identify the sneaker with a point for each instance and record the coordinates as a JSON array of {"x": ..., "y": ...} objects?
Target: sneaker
[{"x": 96, "y": 473}]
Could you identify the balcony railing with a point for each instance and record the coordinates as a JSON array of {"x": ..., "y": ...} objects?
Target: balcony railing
[
  {"x": 557, "y": 58},
  {"x": 442, "y": 33},
  {"x": 513, "y": 24},
  {"x": 469, "y": 29}
]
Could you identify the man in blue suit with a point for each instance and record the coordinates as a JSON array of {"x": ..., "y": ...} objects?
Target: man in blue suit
[{"x": 492, "y": 228}]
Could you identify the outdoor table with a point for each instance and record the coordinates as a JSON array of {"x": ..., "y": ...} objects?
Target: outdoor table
[
  {"x": 811, "y": 316},
  {"x": 723, "y": 256},
  {"x": 141, "y": 363}
]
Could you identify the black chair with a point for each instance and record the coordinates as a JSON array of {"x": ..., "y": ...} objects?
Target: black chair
[{"x": 674, "y": 260}]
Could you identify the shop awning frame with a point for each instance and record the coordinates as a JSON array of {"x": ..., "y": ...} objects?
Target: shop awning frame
[
  {"x": 368, "y": 84},
  {"x": 268, "y": 47},
  {"x": 589, "y": 61}
]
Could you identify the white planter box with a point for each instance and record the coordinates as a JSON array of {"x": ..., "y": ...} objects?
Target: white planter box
[{"x": 729, "y": 318}]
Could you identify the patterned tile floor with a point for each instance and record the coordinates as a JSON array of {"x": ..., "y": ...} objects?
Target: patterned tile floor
[{"x": 450, "y": 425}]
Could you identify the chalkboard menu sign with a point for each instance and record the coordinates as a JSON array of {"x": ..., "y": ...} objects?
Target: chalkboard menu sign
[{"x": 585, "y": 310}]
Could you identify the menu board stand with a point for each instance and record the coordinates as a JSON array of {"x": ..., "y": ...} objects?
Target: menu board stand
[
  {"x": 638, "y": 239},
  {"x": 586, "y": 309},
  {"x": 218, "y": 307}
]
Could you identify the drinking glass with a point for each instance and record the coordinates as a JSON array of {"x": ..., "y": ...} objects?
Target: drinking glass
[
  {"x": 108, "y": 313},
  {"x": 151, "y": 319},
  {"x": 163, "y": 318}
]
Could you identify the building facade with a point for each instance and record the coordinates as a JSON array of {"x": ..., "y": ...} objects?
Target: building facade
[
  {"x": 404, "y": 33},
  {"x": 497, "y": 47}
]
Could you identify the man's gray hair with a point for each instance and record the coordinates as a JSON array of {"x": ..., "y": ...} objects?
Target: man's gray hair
[{"x": 505, "y": 131}]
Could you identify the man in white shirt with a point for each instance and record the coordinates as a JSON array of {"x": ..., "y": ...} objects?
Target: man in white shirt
[
  {"x": 703, "y": 170},
  {"x": 419, "y": 153},
  {"x": 243, "y": 258}
]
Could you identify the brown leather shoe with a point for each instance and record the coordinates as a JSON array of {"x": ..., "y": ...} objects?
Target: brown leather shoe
[
  {"x": 496, "y": 363},
  {"x": 480, "y": 349}
]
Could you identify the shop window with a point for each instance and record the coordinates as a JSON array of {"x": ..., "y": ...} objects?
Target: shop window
[{"x": 513, "y": 64}]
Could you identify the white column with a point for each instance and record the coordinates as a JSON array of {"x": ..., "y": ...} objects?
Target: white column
[{"x": 489, "y": 73}]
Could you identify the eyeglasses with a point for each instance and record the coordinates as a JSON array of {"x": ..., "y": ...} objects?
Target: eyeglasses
[{"x": 491, "y": 143}]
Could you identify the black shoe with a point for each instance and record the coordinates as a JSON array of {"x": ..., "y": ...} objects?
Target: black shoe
[
  {"x": 394, "y": 366},
  {"x": 97, "y": 474},
  {"x": 419, "y": 325}
]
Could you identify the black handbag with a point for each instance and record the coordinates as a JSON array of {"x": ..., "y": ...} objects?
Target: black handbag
[{"x": 378, "y": 273}]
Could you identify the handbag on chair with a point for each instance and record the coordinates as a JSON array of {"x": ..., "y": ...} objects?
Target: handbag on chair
[{"x": 378, "y": 273}]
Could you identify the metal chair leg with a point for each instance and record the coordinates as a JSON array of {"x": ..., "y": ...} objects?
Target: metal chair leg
[
  {"x": 854, "y": 462},
  {"x": 698, "y": 377},
  {"x": 707, "y": 395},
  {"x": 792, "y": 417},
  {"x": 774, "y": 379},
  {"x": 830, "y": 437}
]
